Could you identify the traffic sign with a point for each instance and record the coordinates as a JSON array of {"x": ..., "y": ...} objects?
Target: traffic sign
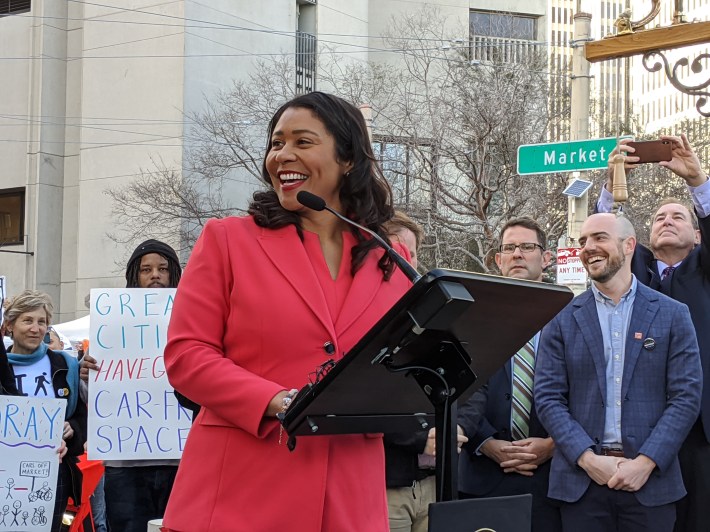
[
  {"x": 574, "y": 156},
  {"x": 569, "y": 267}
]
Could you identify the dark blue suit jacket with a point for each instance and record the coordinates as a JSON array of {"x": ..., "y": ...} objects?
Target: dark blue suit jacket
[
  {"x": 661, "y": 390},
  {"x": 690, "y": 284},
  {"x": 485, "y": 415}
]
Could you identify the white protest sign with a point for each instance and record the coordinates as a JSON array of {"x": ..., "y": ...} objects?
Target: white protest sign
[
  {"x": 569, "y": 267},
  {"x": 133, "y": 413},
  {"x": 30, "y": 434}
]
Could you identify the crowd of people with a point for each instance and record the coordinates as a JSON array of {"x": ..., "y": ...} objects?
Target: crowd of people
[{"x": 602, "y": 416}]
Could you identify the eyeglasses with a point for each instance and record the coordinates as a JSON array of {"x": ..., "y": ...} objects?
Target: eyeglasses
[
  {"x": 47, "y": 338},
  {"x": 525, "y": 247}
]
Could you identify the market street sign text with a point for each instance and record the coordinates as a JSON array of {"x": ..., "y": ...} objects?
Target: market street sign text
[{"x": 575, "y": 156}]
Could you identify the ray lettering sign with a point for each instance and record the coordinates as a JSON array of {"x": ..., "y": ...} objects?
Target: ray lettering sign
[
  {"x": 133, "y": 413},
  {"x": 30, "y": 434},
  {"x": 575, "y": 156}
]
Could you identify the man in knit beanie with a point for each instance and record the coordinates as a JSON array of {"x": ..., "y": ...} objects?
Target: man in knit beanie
[
  {"x": 137, "y": 491},
  {"x": 153, "y": 264}
]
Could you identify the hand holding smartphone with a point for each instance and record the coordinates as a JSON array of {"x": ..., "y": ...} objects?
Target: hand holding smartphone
[{"x": 652, "y": 151}]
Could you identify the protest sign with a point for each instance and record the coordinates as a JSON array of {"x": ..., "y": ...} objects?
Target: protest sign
[
  {"x": 133, "y": 413},
  {"x": 30, "y": 434}
]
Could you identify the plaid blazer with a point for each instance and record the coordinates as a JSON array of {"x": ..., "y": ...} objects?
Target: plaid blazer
[{"x": 661, "y": 391}]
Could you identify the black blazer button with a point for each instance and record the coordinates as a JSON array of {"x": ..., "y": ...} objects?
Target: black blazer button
[
  {"x": 329, "y": 348},
  {"x": 507, "y": 396}
]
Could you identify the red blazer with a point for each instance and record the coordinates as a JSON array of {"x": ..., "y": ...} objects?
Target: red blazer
[{"x": 249, "y": 321}]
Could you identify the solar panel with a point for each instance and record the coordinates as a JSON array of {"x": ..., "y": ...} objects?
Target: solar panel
[{"x": 577, "y": 188}]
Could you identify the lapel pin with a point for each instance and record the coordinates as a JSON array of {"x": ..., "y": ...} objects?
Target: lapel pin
[
  {"x": 638, "y": 336},
  {"x": 649, "y": 343}
]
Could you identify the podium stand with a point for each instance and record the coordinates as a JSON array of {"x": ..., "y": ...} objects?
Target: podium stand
[{"x": 440, "y": 342}]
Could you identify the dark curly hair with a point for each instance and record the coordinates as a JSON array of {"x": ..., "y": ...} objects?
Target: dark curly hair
[{"x": 365, "y": 195}]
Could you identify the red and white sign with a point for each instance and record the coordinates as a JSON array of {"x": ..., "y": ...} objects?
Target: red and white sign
[{"x": 569, "y": 267}]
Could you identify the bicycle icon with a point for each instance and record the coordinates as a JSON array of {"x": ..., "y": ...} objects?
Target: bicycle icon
[{"x": 44, "y": 493}]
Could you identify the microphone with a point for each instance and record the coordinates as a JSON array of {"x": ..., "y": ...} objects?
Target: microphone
[{"x": 316, "y": 203}]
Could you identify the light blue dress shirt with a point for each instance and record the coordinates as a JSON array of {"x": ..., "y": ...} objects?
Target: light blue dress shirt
[{"x": 614, "y": 323}]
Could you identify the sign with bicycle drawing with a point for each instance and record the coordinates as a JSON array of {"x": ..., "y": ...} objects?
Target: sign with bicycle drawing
[{"x": 30, "y": 434}]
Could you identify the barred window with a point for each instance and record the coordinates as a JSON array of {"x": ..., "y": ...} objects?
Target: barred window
[
  {"x": 14, "y": 7},
  {"x": 506, "y": 25}
]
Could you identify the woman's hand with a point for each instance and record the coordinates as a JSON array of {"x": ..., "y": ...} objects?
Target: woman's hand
[
  {"x": 68, "y": 433},
  {"x": 280, "y": 402},
  {"x": 62, "y": 450}
]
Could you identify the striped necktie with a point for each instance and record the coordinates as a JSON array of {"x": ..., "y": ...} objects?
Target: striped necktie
[
  {"x": 523, "y": 373},
  {"x": 667, "y": 272}
]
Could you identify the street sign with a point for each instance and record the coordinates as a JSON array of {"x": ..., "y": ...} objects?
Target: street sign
[
  {"x": 569, "y": 267},
  {"x": 591, "y": 154}
]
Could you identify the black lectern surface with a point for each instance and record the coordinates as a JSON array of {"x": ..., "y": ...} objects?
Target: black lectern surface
[{"x": 461, "y": 326}]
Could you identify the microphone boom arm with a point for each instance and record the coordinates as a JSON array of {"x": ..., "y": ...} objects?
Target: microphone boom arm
[{"x": 403, "y": 265}]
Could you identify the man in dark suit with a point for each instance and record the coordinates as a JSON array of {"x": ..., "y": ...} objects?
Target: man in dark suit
[
  {"x": 678, "y": 265},
  {"x": 618, "y": 386},
  {"x": 500, "y": 459}
]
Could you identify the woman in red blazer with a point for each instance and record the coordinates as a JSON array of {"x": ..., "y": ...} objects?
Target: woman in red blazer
[{"x": 265, "y": 300}]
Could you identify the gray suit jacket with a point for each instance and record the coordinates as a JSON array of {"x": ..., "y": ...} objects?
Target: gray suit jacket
[{"x": 661, "y": 390}]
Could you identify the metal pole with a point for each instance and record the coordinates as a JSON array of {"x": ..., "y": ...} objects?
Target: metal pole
[{"x": 577, "y": 207}]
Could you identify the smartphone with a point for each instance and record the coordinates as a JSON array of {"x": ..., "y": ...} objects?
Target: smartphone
[{"x": 652, "y": 151}]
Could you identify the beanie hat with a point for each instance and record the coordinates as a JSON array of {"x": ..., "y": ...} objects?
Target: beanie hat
[{"x": 153, "y": 246}]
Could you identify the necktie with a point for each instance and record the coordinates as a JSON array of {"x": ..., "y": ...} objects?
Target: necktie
[
  {"x": 523, "y": 373},
  {"x": 667, "y": 272}
]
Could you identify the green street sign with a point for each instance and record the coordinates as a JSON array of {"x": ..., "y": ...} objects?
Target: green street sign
[{"x": 574, "y": 156}]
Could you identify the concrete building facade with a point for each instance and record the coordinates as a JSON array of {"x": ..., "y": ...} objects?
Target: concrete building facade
[{"x": 93, "y": 95}]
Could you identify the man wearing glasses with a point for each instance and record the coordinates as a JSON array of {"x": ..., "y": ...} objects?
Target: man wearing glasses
[
  {"x": 53, "y": 340},
  {"x": 509, "y": 451}
]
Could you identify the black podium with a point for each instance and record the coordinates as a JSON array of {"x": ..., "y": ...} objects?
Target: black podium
[{"x": 440, "y": 342}]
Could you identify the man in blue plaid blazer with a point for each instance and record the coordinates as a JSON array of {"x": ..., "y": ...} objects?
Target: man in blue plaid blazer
[{"x": 618, "y": 384}]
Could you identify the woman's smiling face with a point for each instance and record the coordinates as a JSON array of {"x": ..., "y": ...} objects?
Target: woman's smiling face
[
  {"x": 302, "y": 156},
  {"x": 28, "y": 331}
]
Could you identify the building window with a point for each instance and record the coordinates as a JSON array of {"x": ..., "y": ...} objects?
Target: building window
[
  {"x": 12, "y": 216},
  {"x": 502, "y": 37},
  {"x": 505, "y": 25},
  {"x": 13, "y": 7},
  {"x": 404, "y": 164},
  {"x": 306, "y": 46}
]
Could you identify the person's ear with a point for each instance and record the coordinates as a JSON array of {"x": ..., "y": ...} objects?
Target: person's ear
[
  {"x": 546, "y": 258},
  {"x": 630, "y": 245},
  {"x": 346, "y": 167}
]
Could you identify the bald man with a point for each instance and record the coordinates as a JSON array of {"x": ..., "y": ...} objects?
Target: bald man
[{"x": 618, "y": 386}]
